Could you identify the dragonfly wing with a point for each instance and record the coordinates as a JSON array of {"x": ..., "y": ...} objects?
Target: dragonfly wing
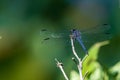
[
  {"x": 55, "y": 34},
  {"x": 97, "y": 29},
  {"x": 99, "y": 33}
]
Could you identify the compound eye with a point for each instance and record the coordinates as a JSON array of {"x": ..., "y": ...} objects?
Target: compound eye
[{"x": 73, "y": 29}]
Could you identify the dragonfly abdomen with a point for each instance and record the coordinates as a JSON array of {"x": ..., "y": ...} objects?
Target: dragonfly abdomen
[{"x": 82, "y": 45}]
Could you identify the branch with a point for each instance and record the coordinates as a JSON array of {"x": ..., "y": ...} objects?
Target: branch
[
  {"x": 77, "y": 61},
  {"x": 79, "y": 65},
  {"x": 60, "y": 65}
]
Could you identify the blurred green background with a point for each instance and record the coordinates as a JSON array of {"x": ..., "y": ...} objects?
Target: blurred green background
[{"x": 24, "y": 57}]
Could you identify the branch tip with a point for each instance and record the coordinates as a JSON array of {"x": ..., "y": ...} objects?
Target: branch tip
[
  {"x": 58, "y": 63},
  {"x": 74, "y": 60}
]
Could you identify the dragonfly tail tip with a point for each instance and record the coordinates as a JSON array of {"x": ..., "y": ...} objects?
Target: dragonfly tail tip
[{"x": 87, "y": 53}]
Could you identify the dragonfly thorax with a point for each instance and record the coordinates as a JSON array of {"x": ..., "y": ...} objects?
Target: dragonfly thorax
[{"x": 75, "y": 33}]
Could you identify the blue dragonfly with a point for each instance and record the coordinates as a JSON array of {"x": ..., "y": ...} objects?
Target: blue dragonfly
[
  {"x": 95, "y": 34},
  {"x": 76, "y": 35}
]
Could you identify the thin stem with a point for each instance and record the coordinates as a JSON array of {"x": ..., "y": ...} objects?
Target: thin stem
[
  {"x": 79, "y": 65},
  {"x": 80, "y": 70},
  {"x": 60, "y": 65},
  {"x": 73, "y": 48}
]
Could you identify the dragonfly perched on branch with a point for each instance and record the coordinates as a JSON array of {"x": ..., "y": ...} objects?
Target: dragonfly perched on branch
[{"x": 95, "y": 34}]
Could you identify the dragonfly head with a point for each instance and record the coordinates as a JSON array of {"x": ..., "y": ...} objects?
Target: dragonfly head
[
  {"x": 105, "y": 24},
  {"x": 72, "y": 30},
  {"x": 44, "y": 30}
]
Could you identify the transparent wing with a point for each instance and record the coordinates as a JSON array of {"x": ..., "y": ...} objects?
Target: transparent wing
[
  {"x": 97, "y": 29},
  {"x": 94, "y": 34},
  {"x": 55, "y": 34},
  {"x": 97, "y": 34}
]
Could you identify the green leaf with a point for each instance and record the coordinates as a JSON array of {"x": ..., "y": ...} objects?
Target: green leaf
[{"x": 74, "y": 75}]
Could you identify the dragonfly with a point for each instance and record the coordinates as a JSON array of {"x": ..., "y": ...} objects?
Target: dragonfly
[{"x": 97, "y": 33}]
